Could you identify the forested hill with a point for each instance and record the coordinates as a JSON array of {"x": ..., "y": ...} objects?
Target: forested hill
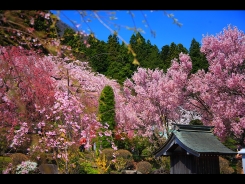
[{"x": 43, "y": 31}]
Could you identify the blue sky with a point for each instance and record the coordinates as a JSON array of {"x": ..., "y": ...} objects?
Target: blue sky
[{"x": 195, "y": 24}]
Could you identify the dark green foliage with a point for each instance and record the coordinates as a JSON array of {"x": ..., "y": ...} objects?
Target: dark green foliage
[
  {"x": 198, "y": 59},
  {"x": 110, "y": 58},
  {"x": 113, "y": 47},
  {"x": 139, "y": 144},
  {"x": 138, "y": 44},
  {"x": 168, "y": 53},
  {"x": 41, "y": 24},
  {"x": 69, "y": 38},
  {"x": 195, "y": 122},
  {"x": 107, "y": 107},
  {"x": 106, "y": 115},
  {"x": 144, "y": 167},
  {"x": 164, "y": 55},
  {"x": 75, "y": 41},
  {"x": 122, "y": 68},
  {"x": 120, "y": 65},
  {"x": 231, "y": 143},
  {"x": 153, "y": 59},
  {"x": 97, "y": 54},
  {"x": 148, "y": 55}
]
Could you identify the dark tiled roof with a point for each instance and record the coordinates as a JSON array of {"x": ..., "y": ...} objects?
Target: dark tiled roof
[{"x": 195, "y": 139}]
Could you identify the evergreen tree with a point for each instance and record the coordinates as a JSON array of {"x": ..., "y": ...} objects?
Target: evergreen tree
[
  {"x": 123, "y": 68},
  {"x": 138, "y": 44},
  {"x": 75, "y": 41},
  {"x": 153, "y": 59},
  {"x": 113, "y": 56},
  {"x": 171, "y": 52},
  {"x": 198, "y": 59},
  {"x": 113, "y": 46},
  {"x": 98, "y": 57},
  {"x": 106, "y": 114},
  {"x": 181, "y": 48},
  {"x": 164, "y": 55}
]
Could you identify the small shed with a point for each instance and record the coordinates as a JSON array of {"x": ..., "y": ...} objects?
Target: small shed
[{"x": 193, "y": 149}]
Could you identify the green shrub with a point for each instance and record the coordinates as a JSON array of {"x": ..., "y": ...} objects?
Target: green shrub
[
  {"x": 87, "y": 168},
  {"x": 162, "y": 163},
  {"x": 108, "y": 152},
  {"x": 124, "y": 154},
  {"x": 124, "y": 158},
  {"x": 144, "y": 167},
  {"x": 127, "y": 156}
]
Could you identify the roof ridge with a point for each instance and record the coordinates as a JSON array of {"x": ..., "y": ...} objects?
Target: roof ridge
[{"x": 192, "y": 127}]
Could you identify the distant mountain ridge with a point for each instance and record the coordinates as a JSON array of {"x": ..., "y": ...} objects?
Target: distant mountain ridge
[{"x": 62, "y": 27}]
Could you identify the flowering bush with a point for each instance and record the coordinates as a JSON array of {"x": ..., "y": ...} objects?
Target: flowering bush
[{"x": 27, "y": 167}]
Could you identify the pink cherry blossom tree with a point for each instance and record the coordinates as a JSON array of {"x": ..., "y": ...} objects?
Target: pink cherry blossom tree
[
  {"x": 50, "y": 95},
  {"x": 153, "y": 98},
  {"x": 218, "y": 95},
  {"x": 25, "y": 84}
]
